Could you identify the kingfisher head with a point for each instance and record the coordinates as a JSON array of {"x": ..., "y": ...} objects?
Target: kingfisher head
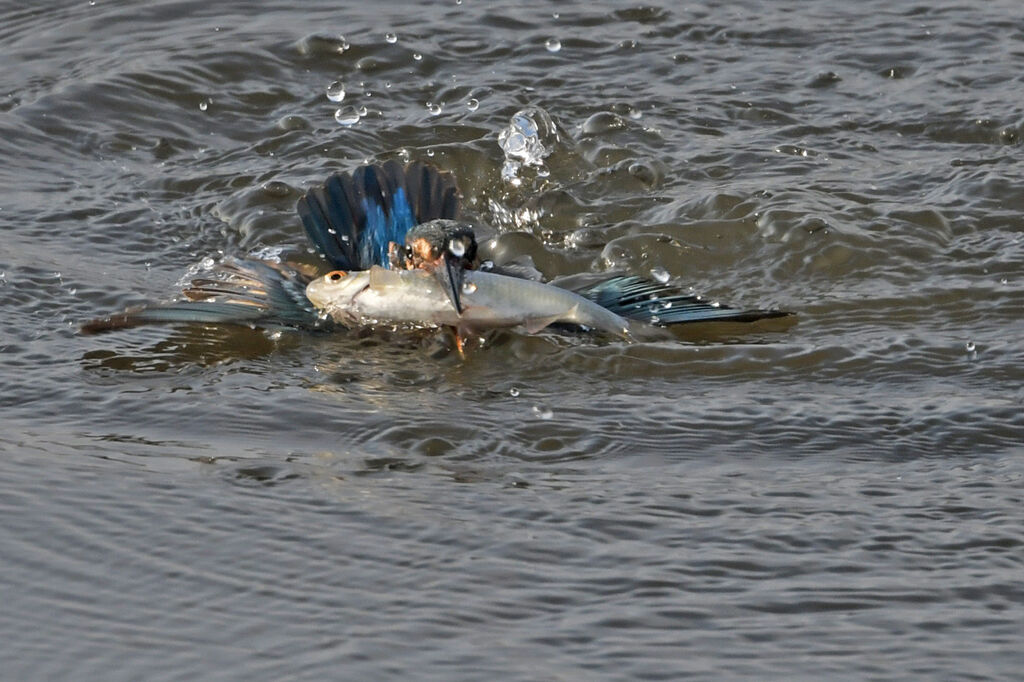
[{"x": 446, "y": 248}]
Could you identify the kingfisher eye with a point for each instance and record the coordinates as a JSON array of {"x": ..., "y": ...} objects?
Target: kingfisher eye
[
  {"x": 337, "y": 275},
  {"x": 457, "y": 247}
]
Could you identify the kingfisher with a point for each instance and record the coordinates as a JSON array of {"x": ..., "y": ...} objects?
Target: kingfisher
[
  {"x": 391, "y": 237},
  {"x": 394, "y": 217}
]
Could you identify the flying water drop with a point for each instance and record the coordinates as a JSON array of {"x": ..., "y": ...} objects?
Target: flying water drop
[
  {"x": 553, "y": 44},
  {"x": 336, "y": 91},
  {"x": 347, "y": 116}
]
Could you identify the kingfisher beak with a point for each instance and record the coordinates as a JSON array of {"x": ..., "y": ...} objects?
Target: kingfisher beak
[{"x": 451, "y": 276}]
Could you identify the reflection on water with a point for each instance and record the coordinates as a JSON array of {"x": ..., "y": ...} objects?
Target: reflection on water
[{"x": 714, "y": 501}]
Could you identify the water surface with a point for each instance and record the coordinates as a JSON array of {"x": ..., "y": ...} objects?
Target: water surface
[{"x": 836, "y": 499}]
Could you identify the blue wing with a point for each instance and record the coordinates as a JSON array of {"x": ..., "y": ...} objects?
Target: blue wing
[
  {"x": 248, "y": 292},
  {"x": 638, "y": 299},
  {"x": 353, "y": 218}
]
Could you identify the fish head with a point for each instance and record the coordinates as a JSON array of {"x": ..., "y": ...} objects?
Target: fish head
[{"x": 336, "y": 289}]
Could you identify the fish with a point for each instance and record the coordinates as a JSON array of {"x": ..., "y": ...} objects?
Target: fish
[{"x": 488, "y": 301}]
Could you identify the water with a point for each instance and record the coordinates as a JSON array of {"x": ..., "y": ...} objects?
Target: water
[{"x": 840, "y": 499}]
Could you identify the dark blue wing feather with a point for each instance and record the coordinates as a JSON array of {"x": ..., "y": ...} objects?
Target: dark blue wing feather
[
  {"x": 245, "y": 292},
  {"x": 638, "y": 299},
  {"x": 353, "y": 218}
]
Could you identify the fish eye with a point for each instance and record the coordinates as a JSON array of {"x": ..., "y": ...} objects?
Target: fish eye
[{"x": 337, "y": 275}]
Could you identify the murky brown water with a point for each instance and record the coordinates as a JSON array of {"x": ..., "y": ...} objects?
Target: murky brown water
[{"x": 838, "y": 499}]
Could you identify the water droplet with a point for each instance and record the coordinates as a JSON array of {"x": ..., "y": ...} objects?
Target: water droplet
[
  {"x": 553, "y": 44},
  {"x": 514, "y": 392},
  {"x": 206, "y": 263},
  {"x": 417, "y": 56},
  {"x": 468, "y": 287},
  {"x": 361, "y": 111},
  {"x": 457, "y": 248},
  {"x": 336, "y": 91},
  {"x": 660, "y": 274},
  {"x": 342, "y": 44},
  {"x": 434, "y": 109},
  {"x": 347, "y": 116},
  {"x": 473, "y": 104},
  {"x": 430, "y": 152},
  {"x": 391, "y": 38},
  {"x": 716, "y": 304},
  {"x": 543, "y": 412},
  {"x": 204, "y": 105},
  {"x": 970, "y": 347}
]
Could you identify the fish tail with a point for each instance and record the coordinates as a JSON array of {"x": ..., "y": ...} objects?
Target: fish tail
[
  {"x": 642, "y": 300},
  {"x": 353, "y": 218}
]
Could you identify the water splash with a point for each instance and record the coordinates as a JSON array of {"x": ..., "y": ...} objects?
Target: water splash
[
  {"x": 543, "y": 412},
  {"x": 530, "y": 137}
]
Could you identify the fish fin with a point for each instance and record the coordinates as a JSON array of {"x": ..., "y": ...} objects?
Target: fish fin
[
  {"x": 639, "y": 299},
  {"x": 248, "y": 292},
  {"x": 534, "y": 325},
  {"x": 381, "y": 278},
  {"x": 353, "y": 217}
]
